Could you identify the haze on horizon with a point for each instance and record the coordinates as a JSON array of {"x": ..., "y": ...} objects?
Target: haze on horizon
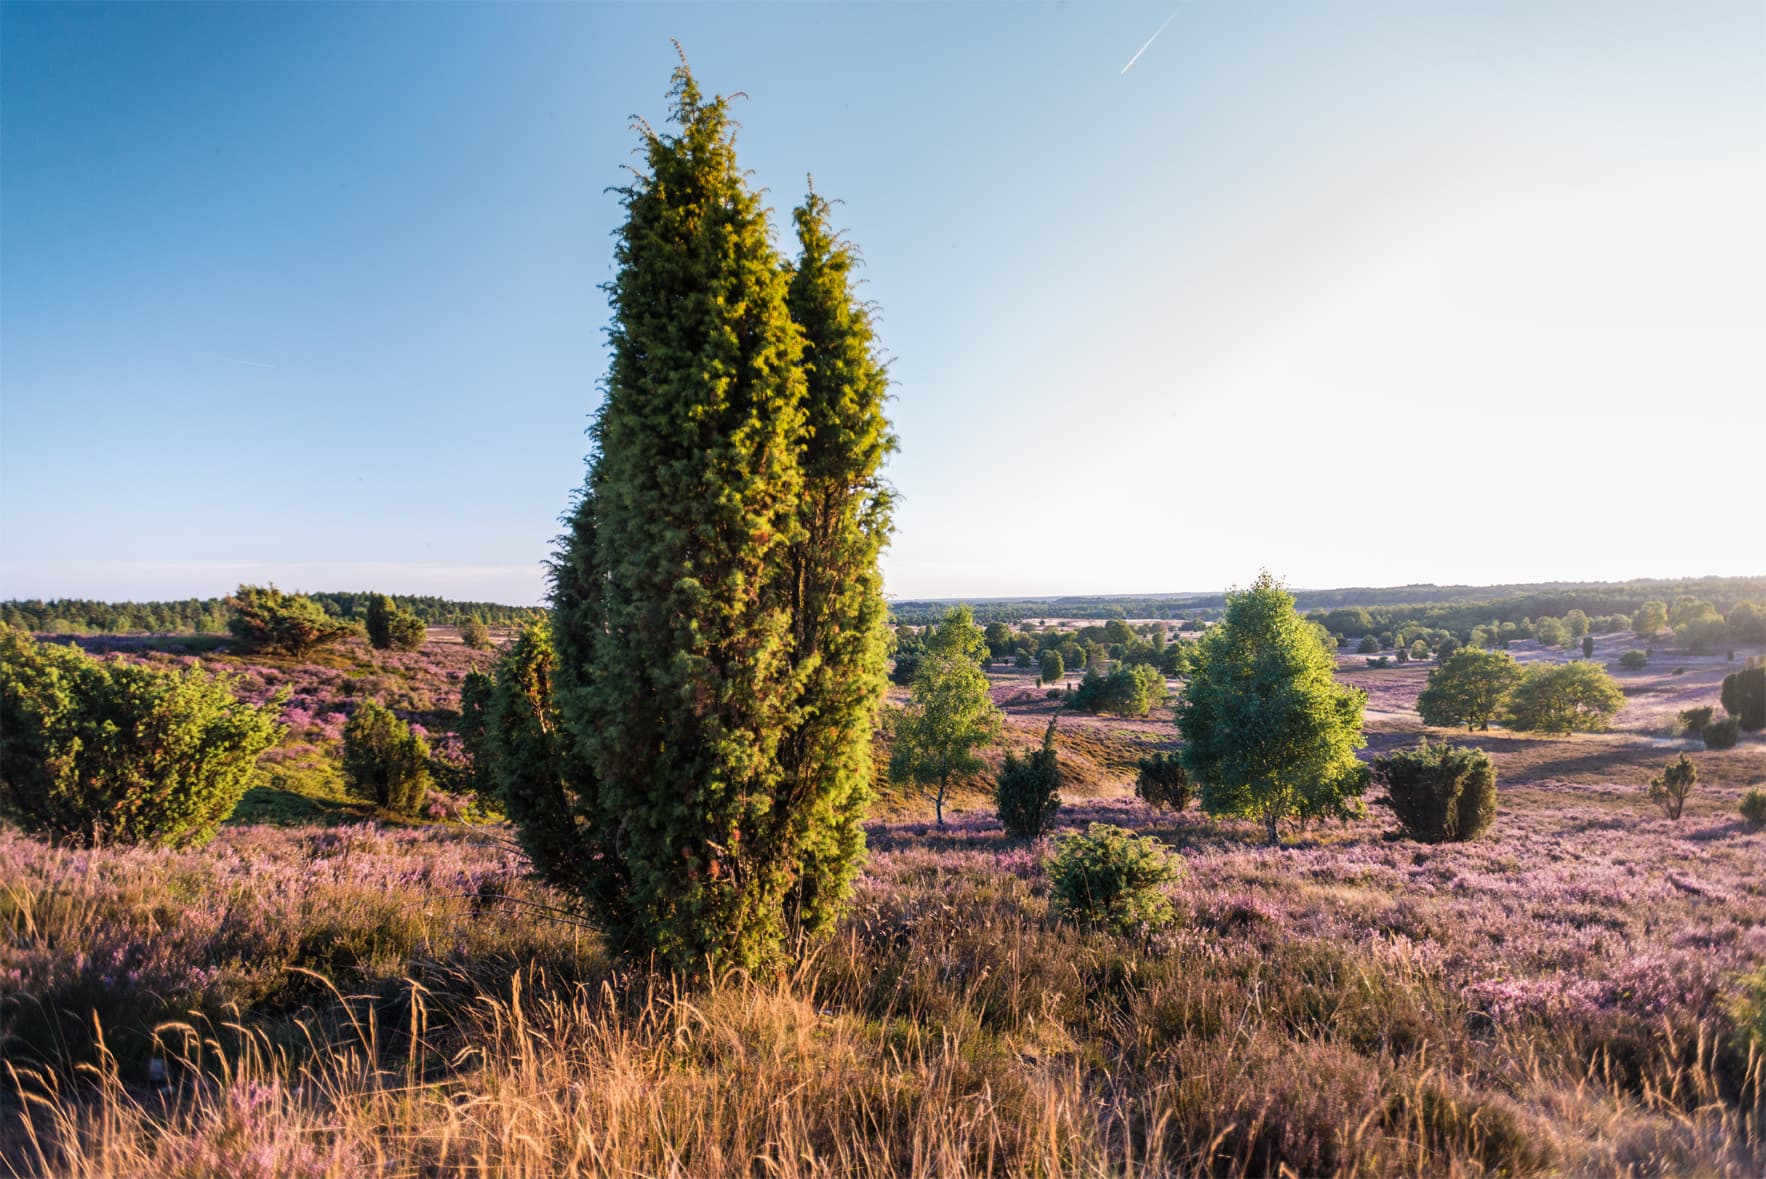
[{"x": 1366, "y": 293}]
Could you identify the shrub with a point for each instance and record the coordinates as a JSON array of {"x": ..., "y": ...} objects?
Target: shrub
[
  {"x": 1744, "y": 697},
  {"x": 1162, "y": 782},
  {"x": 1382, "y": 661},
  {"x": 1694, "y": 720},
  {"x": 1440, "y": 793},
  {"x": 475, "y": 634},
  {"x": 266, "y": 619},
  {"x": 98, "y": 752},
  {"x": 1565, "y": 698},
  {"x": 1669, "y": 789},
  {"x": 1053, "y": 668},
  {"x": 391, "y": 627},
  {"x": 1722, "y": 734},
  {"x": 1588, "y": 646},
  {"x": 1028, "y": 791},
  {"x": 1368, "y": 645},
  {"x": 1634, "y": 660},
  {"x": 1112, "y": 878},
  {"x": 384, "y": 759},
  {"x": 1753, "y": 809}
]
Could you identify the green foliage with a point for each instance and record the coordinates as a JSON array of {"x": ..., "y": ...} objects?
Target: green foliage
[
  {"x": 1124, "y": 691},
  {"x": 1588, "y": 646},
  {"x": 1267, "y": 730},
  {"x": 1161, "y": 782},
  {"x": 1369, "y": 645},
  {"x": 1550, "y": 632},
  {"x": 266, "y": 619},
  {"x": 1649, "y": 620},
  {"x": 718, "y": 620},
  {"x": 949, "y": 715},
  {"x": 1747, "y": 622},
  {"x": 1634, "y": 660},
  {"x": 1693, "y": 720},
  {"x": 1468, "y": 688},
  {"x": 95, "y": 752},
  {"x": 1564, "y": 698},
  {"x": 1113, "y": 879},
  {"x": 1753, "y": 809},
  {"x": 1669, "y": 789},
  {"x": 1028, "y": 791},
  {"x": 475, "y": 634},
  {"x": 1052, "y": 667},
  {"x": 473, "y": 729},
  {"x": 1744, "y": 697},
  {"x": 390, "y": 627},
  {"x": 384, "y": 760},
  {"x": 1440, "y": 793},
  {"x": 1722, "y": 734}
]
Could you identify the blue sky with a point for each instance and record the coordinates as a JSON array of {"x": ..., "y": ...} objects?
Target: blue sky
[{"x": 1367, "y": 293}]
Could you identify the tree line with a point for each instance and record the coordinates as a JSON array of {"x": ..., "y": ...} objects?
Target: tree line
[{"x": 210, "y": 616}]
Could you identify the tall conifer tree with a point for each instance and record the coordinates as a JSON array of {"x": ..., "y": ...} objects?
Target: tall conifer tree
[
  {"x": 717, "y": 612},
  {"x": 839, "y": 636}
]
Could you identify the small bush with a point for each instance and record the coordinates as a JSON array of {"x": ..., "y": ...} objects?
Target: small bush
[
  {"x": 1669, "y": 789},
  {"x": 1722, "y": 734},
  {"x": 1440, "y": 793},
  {"x": 385, "y": 760},
  {"x": 1382, "y": 661},
  {"x": 1634, "y": 660},
  {"x": 1028, "y": 792},
  {"x": 475, "y": 634},
  {"x": 1163, "y": 783},
  {"x": 1112, "y": 878},
  {"x": 1744, "y": 697},
  {"x": 95, "y": 752},
  {"x": 1694, "y": 720},
  {"x": 1368, "y": 645},
  {"x": 1753, "y": 809},
  {"x": 391, "y": 627}
]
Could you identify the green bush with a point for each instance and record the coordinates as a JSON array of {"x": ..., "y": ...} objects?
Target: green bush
[
  {"x": 1440, "y": 793},
  {"x": 266, "y": 619},
  {"x": 1112, "y": 878},
  {"x": 1162, "y": 782},
  {"x": 96, "y": 752},
  {"x": 1744, "y": 697},
  {"x": 1694, "y": 720},
  {"x": 1053, "y": 668},
  {"x": 1368, "y": 645},
  {"x": 1634, "y": 660},
  {"x": 1753, "y": 809},
  {"x": 391, "y": 627},
  {"x": 1564, "y": 698},
  {"x": 1028, "y": 791},
  {"x": 1722, "y": 734},
  {"x": 1669, "y": 789},
  {"x": 384, "y": 759},
  {"x": 475, "y": 634}
]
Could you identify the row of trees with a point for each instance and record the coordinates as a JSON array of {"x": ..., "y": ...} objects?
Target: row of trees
[
  {"x": 1474, "y": 687},
  {"x": 211, "y": 615}
]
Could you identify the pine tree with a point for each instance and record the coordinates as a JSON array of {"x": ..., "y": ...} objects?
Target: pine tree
[{"x": 717, "y": 612}]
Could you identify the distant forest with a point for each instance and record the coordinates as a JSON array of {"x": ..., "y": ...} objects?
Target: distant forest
[
  {"x": 209, "y": 615},
  {"x": 1449, "y": 607}
]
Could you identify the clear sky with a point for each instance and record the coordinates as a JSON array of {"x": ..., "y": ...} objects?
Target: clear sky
[{"x": 1368, "y": 293}]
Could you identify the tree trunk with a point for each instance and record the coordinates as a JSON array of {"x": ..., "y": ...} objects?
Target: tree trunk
[
  {"x": 938, "y": 803},
  {"x": 1270, "y": 818}
]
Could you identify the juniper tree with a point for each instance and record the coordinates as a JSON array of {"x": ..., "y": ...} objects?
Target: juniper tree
[{"x": 717, "y": 611}]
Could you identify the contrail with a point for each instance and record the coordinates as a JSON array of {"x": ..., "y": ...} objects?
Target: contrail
[{"x": 1150, "y": 40}]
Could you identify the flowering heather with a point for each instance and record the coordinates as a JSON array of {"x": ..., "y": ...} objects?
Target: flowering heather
[{"x": 1574, "y": 993}]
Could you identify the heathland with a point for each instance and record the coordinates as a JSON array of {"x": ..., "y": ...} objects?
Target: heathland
[{"x": 331, "y": 989}]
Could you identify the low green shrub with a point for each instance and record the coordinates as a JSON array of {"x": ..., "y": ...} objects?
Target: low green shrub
[
  {"x": 1753, "y": 809},
  {"x": 1694, "y": 720},
  {"x": 1113, "y": 879},
  {"x": 1722, "y": 734},
  {"x": 384, "y": 759},
  {"x": 95, "y": 752},
  {"x": 1669, "y": 789},
  {"x": 1634, "y": 660},
  {"x": 1163, "y": 783},
  {"x": 1440, "y": 793},
  {"x": 475, "y": 634}
]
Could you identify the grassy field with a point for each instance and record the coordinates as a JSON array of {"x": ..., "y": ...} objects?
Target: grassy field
[{"x": 315, "y": 994}]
